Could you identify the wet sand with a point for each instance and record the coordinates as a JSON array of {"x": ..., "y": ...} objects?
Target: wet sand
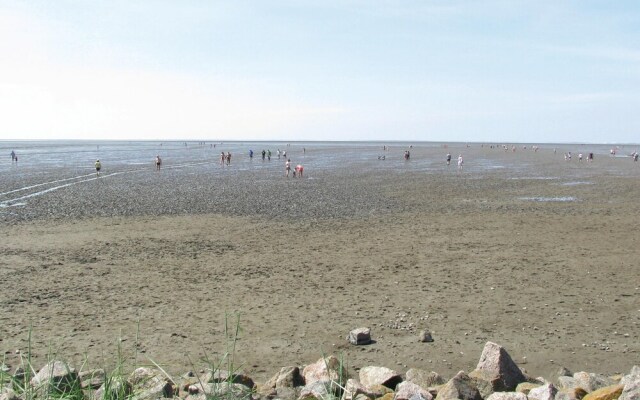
[{"x": 542, "y": 260}]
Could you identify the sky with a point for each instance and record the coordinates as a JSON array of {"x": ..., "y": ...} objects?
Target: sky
[{"x": 531, "y": 71}]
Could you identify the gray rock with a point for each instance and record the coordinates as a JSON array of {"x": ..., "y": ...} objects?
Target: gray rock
[
  {"x": 370, "y": 376},
  {"x": 92, "y": 379},
  {"x": 409, "y": 390},
  {"x": 631, "y": 384},
  {"x": 423, "y": 378},
  {"x": 286, "y": 377},
  {"x": 359, "y": 336},
  {"x": 221, "y": 390},
  {"x": 224, "y": 376},
  {"x": 571, "y": 394},
  {"x": 8, "y": 394},
  {"x": 567, "y": 382},
  {"x": 55, "y": 378},
  {"x": 590, "y": 382},
  {"x": 496, "y": 371},
  {"x": 319, "y": 390},
  {"x": 460, "y": 387},
  {"x": 507, "y": 396},
  {"x": 150, "y": 384},
  {"x": 113, "y": 388},
  {"x": 325, "y": 369},
  {"x": 352, "y": 389},
  {"x": 564, "y": 372},
  {"x": 425, "y": 337},
  {"x": 544, "y": 392}
]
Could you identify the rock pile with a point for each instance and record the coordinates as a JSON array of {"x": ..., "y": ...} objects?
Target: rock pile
[{"x": 496, "y": 377}]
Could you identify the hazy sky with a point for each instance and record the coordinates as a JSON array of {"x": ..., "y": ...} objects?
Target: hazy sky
[{"x": 495, "y": 70}]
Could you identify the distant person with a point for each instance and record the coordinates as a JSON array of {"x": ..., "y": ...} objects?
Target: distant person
[
  {"x": 228, "y": 158},
  {"x": 287, "y": 168},
  {"x": 251, "y": 154},
  {"x": 460, "y": 162},
  {"x": 278, "y": 153},
  {"x": 590, "y": 157},
  {"x": 304, "y": 150},
  {"x": 264, "y": 153},
  {"x": 299, "y": 170},
  {"x": 223, "y": 157},
  {"x": 269, "y": 155},
  {"x": 448, "y": 158},
  {"x": 158, "y": 162},
  {"x": 98, "y": 167},
  {"x": 579, "y": 157},
  {"x": 13, "y": 156}
]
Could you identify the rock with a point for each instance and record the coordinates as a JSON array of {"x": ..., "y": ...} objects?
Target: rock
[
  {"x": 606, "y": 393},
  {"x": 221, "y": 390},
  {"x": 423, "y": 378},
  {"x": 288, "y": 393},
  {"x": 544, "y": 392},
  {"x": 325, "y": 369},
  {"x": 571, "y": 394},
  {"x": 150, "y": 384},
  {"x": 410, "y": 390},
  {"x": 224, "y": 376},
  {"x": 525, "y": 387},
  {"x": 370, "y": 376},
  {"x": 287, "y": 377},
  {"x": 8, "y": 394},
  {"x": 631, "y": 384},
  {"x": 55, "y": 378},
  {"x": 563, "y": 371},
  {"x": 507, "y": 396},
  {"x": 318, "y": 390},
  {"x": 92, "y": 379},
  {"x": 496, "y": 371},
  {"x": 354, "y": 390},
  {"x": 590, "y": 382},
  {"x": 425, "y": 336},
  {"x": 460, "y": 387},
  {"x": 567, "y": 382},
  {"x": 113, "y": 388},
  {"x": 359, "y": 336}
]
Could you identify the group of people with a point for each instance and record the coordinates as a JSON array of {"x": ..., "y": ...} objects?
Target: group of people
[
  {"x": 225, "y": 158},
  {"x": 297, "y": 172}
]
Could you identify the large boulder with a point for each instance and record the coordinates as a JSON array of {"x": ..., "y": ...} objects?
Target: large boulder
[
  {"x": 460, "y": 387},
  {"x": 325, "y": 369},
  {"x": 409, "y": 390},
  {"x": 496, "y": 371},
  {"x": 370, "y": 376}
]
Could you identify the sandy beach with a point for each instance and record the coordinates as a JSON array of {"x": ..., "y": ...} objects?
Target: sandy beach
[{"x": 542, "y": 259}]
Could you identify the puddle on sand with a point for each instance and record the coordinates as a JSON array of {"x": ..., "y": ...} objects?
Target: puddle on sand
[
  {"x": 563, "y": 199},
  {"x": 576, "y": 183},
  {"x": 7, "y": 205}
]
